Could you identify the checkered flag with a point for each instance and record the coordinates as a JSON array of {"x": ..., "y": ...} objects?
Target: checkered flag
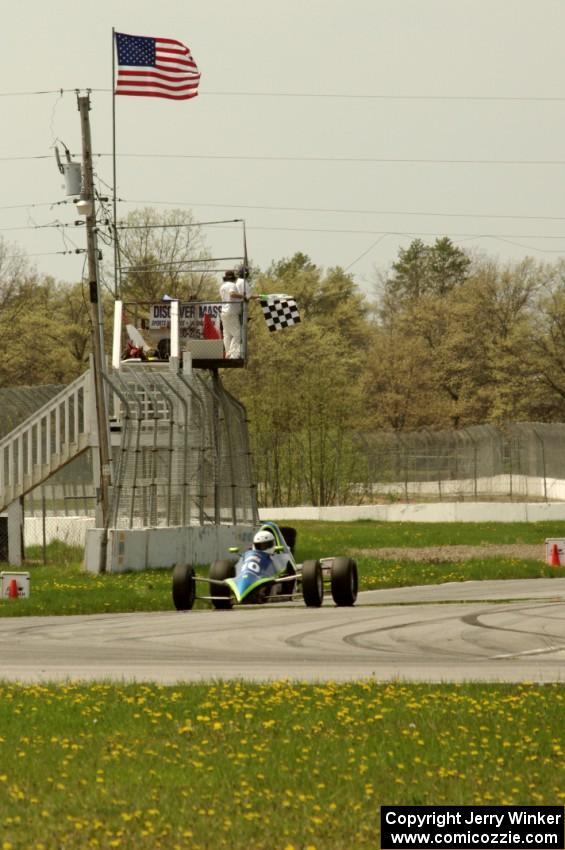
[{"x": 280, "y": 311}]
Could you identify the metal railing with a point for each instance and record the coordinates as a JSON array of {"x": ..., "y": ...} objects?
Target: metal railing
[{"x": 46, "y": 441}]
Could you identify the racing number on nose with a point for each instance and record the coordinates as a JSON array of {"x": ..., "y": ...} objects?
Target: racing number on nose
[{"x": 253, "y": 563}]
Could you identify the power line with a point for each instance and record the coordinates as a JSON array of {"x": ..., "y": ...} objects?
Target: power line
[
  {"x": 181, "y": 225},
  {"x": 58, "y": 253},
  {"x": 46, "y": 91},
  {"x": 197, "y": 260},
  {"x": 407, "y": 233},
  {"x": 23, "y": 158},
  {"x": 32, "y": 205},
  {"x": 348, "y": 211},
  {"x": 527, "y": 247},
  {"x": 359, "y": 96},
  {"x": 337, "y": 210},
  {"x": 350, "y": 159},
  {"x": 329, "y": 95},
  {"x": 351, "y": 231},
  {"x": 366, "y": 251},
  {"x": 54, "y": 226},
  {"x": 360, "y": 159}
]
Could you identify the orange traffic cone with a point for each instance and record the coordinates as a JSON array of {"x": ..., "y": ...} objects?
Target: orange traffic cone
[
  {"x": 13, "y": 589},
  {"x": 554, "y": 560}
]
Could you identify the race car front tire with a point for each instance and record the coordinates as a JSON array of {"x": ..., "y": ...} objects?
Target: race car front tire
[
  {"x": 184, "y": 587},
  {"x": 220, "y": 571},
  {"x": 344, "y": 581},
  {"x": 312, "y": 584}
]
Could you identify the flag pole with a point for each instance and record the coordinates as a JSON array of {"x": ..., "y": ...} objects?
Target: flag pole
[
  {"x": 116, "y": 246},
  {"x": 245, "y": 307},
  {"x": 245, "y": 260}
]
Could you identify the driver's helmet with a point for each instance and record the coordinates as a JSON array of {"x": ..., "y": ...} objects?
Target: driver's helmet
[{"x": 264, "y": 542}]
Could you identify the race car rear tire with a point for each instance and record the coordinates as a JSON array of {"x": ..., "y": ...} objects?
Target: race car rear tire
[
  {"x": 344, "y": 581},
  {"x": 289, "y": 535},
  {"x": 184, "y": 587},
  {"x": 221, "y": 570},
  {"x": 312, "y": 584}
]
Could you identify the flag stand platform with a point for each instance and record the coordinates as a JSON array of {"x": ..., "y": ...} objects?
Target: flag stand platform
[{"x": 160, "y": 332}]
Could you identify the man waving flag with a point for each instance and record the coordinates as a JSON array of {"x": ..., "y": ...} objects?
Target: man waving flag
[{"x": 155, "y": 67}]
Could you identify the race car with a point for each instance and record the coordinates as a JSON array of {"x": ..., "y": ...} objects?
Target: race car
[{"x": 267, "y": 572}]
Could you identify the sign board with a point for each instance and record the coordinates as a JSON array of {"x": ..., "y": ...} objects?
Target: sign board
[
  {"x": 195, "y": 318},
  {"x": 555, "y": 551},
  {"x": 22, "y": 582}
]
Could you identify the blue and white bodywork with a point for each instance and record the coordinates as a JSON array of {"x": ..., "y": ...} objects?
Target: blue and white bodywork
[
  {"x": 256, "y": 569},
  {"x": 257, "y": 577},
  {"x": 251, "y": 571}
]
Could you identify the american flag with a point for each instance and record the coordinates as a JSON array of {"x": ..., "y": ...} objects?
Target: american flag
[{"x": 155, "y": 67}]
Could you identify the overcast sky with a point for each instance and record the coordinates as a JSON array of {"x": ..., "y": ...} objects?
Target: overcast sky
[{"x": 339, "y": 129}]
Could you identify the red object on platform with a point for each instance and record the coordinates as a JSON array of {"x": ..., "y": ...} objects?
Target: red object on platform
[
  {"x": 13, "y": 589},
  {"x": 554, "y": 560},
  {"x": 210, "y": 330}
]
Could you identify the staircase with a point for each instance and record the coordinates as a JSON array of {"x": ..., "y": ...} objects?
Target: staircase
[
  {"x": 46, "y": 441},
  {"x": 179, "y": 446}
]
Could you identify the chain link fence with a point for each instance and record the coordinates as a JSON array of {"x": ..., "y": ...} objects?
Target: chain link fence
[
  {"x": 185, "y": 459},
  {"x": 209, "y": 480},
  {"x": 62, "y": 508},
  {"x": 518, "y": 462}
]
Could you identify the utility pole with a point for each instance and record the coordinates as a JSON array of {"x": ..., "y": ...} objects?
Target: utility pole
[{"x": 89, "y": 209}]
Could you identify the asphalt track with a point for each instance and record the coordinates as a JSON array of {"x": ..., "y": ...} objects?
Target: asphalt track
[{"x": 490, "y": 631}]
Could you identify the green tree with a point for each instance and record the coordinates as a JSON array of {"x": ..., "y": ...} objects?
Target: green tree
[
  {"x": 545, "y": 352},
  {"x": 157, "y": 253},
  {"x": 501, "y": 308},
  {"x": 423, "y": 270},
  {"x": 398, "y": 380},
  {"x": 302, "y": 386},
  {"x": 461, "y": 356}
]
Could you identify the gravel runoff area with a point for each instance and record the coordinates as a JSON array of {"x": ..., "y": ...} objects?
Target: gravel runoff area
[{"x": 438, "y": 554}]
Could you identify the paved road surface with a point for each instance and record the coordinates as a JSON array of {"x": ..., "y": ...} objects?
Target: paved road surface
[{"x": 491, "y": 631}]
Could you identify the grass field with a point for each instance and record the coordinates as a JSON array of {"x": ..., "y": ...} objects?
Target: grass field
[
  {"x": 313, "y": 537},
  {"x": 276, "y": 766},
  {"x": 267, "y": 767},
  {"x": 60, "y": 587}
]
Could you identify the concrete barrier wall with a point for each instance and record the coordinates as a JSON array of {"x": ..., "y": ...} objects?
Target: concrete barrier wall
[
  {"x": 489, "y": 487},
  {"x": 161, "y": 548},
  {"x": 432, "y": 512}
]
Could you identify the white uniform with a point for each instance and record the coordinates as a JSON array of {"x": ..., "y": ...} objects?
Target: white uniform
[{"x": 231, "y": 315}]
